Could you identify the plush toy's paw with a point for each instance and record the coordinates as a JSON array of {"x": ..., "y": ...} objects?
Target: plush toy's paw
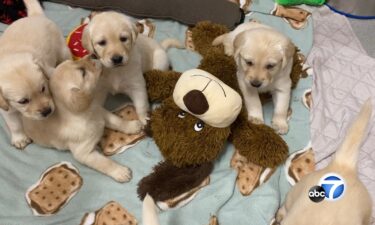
[
  {"x": 121, "y": 174},
  {"x": 132, "y": 127},
  {"x": 256, "y": 120},
  {"x": 280, "y": 126},
  {"x": 259, "y": 143},
  {"x": 172, "y": 186},
  {"x": 20, "y": 141}
]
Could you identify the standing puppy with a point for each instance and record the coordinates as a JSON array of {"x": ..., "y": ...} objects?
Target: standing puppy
[
  {"x": 30, "y": 49},
  {"x": 79, "y": 121},
  {"x": 264, "y": 59},
  {"x": 353, "y": 207},
  {"x": 114, "y": 39}
]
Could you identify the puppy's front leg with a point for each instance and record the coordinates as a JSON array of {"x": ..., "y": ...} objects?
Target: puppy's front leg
[
  {"x": 87, "y": 155},
  {"x": 281, "y": 100},
  {"x": 139, "y": 97},
  {"x": 253, "y": 104},
  {"x": 14, "y": 122},
  {"x": 114, "y": 122}
]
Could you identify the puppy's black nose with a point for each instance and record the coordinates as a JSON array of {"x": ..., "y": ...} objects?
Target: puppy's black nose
[
  {"x": 117, "y": 59},
  {"x": 46, "y": 112},
  {"x": 256, "y": 83},
  {"x": 196, "y": 102}
]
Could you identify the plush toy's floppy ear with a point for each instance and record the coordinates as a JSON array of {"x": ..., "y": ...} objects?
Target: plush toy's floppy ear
[
  {"x": 86, "y": 40},
  {"x": 3, "y": 102},
  {"x": 160, "y": 84}
]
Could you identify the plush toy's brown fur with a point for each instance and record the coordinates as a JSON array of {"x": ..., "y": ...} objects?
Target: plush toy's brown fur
[{"x": 181, "y": 145}]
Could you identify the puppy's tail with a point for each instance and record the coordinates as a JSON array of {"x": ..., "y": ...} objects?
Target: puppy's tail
[
  {"x": 348, "y": 153},
  {"x": 149, "y": 211},
  {"x": 171, "y": 43},
  {"x": 218, "y": 40},
  {"x": 33, "y": 7}
]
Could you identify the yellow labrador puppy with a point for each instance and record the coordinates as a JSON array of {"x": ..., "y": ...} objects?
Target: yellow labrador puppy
[
  {"x": 79, "y": 121},
  {"x": 114, "y": 39},
  {"x": 354, "y": 206},
  {"x": 30, "y": 49},
  {"x": 264, "y": 59}
]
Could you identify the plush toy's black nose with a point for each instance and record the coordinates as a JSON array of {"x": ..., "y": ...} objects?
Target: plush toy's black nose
[
  {"x": 196, "y": 102},
  {"x": 117, "y": 59},
  {"x": 46, "y": 112}
]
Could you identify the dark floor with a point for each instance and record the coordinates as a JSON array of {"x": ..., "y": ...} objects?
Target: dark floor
[{"x": 365, "y": 31}]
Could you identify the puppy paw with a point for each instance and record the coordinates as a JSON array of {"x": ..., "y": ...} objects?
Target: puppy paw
[
  {"x": 280, "y": 126},
  {"x": 133, "y": 127},
  {"x": 121, "y": 174},
  {"x": 255, "y": 120},
  {"x": 20, "y": 141}
]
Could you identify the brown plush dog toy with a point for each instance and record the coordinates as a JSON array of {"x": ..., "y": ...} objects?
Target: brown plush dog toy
[{"x": 197, "y": 115}]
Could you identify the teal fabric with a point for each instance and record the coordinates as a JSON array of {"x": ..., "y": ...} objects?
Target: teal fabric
[{"x": 20, "y": 169}]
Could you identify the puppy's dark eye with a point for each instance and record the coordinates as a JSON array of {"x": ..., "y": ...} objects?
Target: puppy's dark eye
[
  {"x": 123, "y": 39},
  {"x": 181, "y": 114},
  {"x": 83, "y": 71},
  {"x": 24, "y": 101},
  {"x": 102, "y": 42},
  {"x": 270, "y": 66},
  {"x": 198, "y": 126},
  {"x": 249, "y": 63},
  {"x": 43, "y": 89}
]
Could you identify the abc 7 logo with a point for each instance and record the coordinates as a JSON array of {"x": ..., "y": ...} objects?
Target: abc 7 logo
[{"x": 331, "y": 188}]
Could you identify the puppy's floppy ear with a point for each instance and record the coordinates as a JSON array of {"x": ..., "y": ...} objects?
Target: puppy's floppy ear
[
  {"x": 46, "y": 70},
  {"x": 134, "y": 32},
  {"x": 288, "y": 51},
  {"x": 237, "y": 46},
  {"x": 86, "y": 40},
  {"x": 79, "y": 100},
  {"x": 3, "y": 102}
]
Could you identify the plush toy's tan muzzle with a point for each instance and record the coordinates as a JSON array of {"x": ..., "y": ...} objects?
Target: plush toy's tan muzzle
[{"x": 207, "y": 98}]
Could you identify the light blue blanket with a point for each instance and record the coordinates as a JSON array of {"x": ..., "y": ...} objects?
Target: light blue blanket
[{"x": 21, "y": 169}]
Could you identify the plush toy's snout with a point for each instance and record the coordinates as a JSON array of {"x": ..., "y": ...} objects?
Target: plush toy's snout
[
  {"x": 207, "y": 98},
  {"x": 196, "y": 102}
]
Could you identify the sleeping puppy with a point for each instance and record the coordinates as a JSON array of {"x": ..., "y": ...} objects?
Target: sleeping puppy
[
  {"x": 30, "y": 49},
  {"x": 353, "y": 207},
  {"x": 79, "y": 121},
  {"x": 114, "y": 39},
  {"x": 264, "y": 59}
]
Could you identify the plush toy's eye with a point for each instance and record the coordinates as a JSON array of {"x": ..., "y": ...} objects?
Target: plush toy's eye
[
  {"x": 181, "y": 114},
  {"x": 198, "y": 126}
]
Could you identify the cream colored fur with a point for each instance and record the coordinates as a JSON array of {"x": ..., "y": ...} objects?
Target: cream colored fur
[
  {"x": 110, "y": 35},
  {"x": 79, "y": 121},
  {"x": 264, "y": 59},
  {"x": 354, "y": 207},
  {"x": 30, "y": 49}
]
